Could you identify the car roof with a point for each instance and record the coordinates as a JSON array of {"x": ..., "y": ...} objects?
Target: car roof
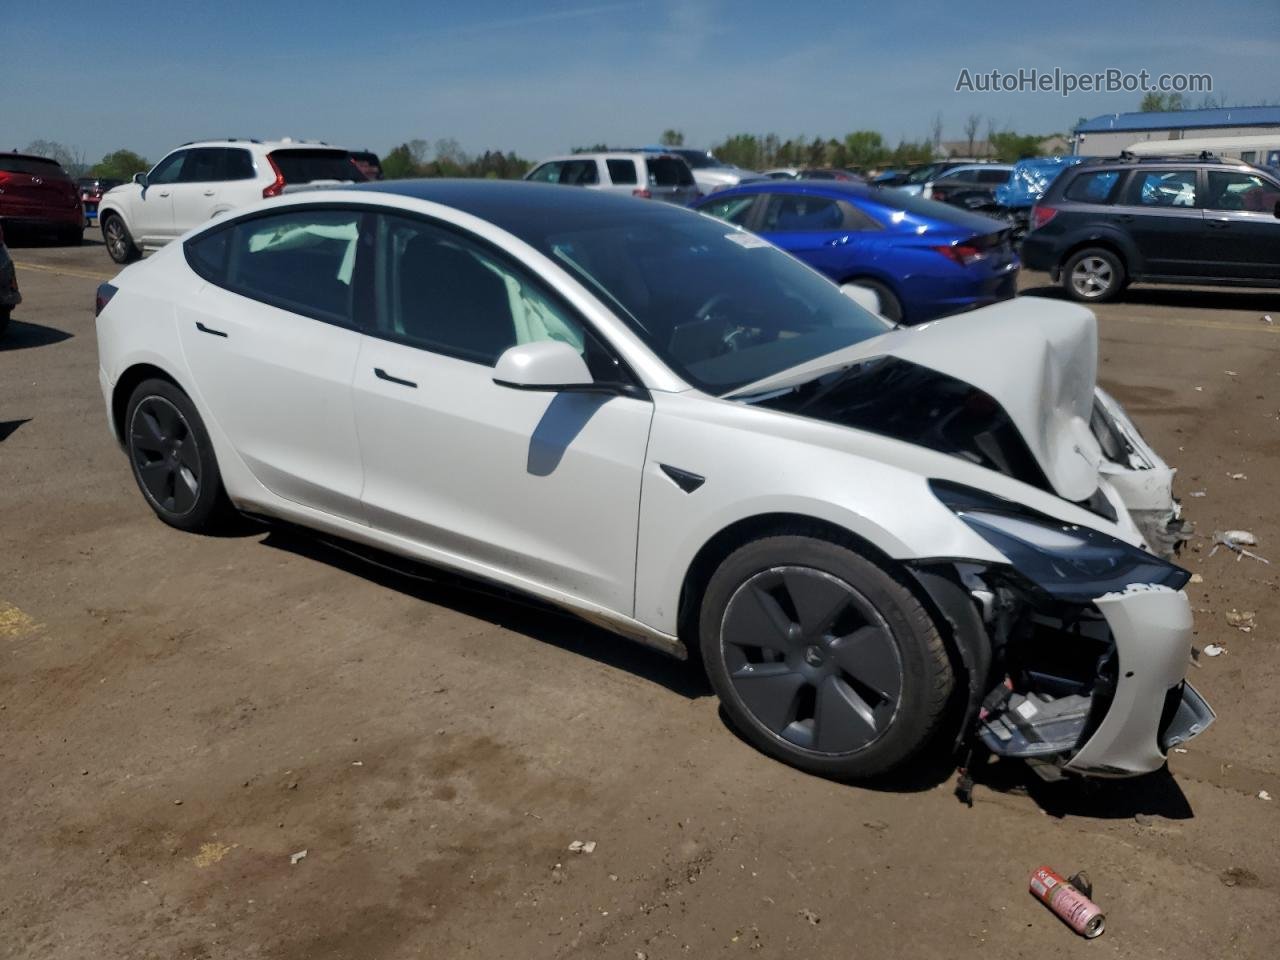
[
  {"x": 511, "y": 204},
  {"x": 264, "y": 144},
  {"x": 608, "y": 155}
]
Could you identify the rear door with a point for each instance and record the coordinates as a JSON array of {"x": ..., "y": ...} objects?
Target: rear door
[
  {"x": 196, "y": 193},
  {"x": 538, "y": 485},
  {"x": 1160, "y": 209},
  {"x": 271, "y": 340},
  {"x": 1242, "y": 230}
]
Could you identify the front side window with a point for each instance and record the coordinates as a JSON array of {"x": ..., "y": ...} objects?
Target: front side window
[
  {"x": 1230, "y": 190},
  {"x": 303, "y": 261},
  {"x": 168, "y": 170},
  {"x": 1162, "y": 188},
  {"x": 622, "y": 172},
  {"x": 442, "y": 292},
  {"x": 547, "y": 173},
  {"x": 1095, "y": 187},
  {"x": 733, "y": 209}
]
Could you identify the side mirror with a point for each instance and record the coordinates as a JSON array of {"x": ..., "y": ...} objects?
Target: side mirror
[
  {"x": 140, "y": 179},
  {"x": 550, "y": 365},
  {"x": 864, "y": 297}
]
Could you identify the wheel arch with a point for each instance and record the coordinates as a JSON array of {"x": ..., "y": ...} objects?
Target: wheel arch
[
  {"x": 127, "y": 383},
  {"x": 1118, "y": 246}
]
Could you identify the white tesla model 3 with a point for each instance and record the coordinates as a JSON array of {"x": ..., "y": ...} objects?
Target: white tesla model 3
[{"x": 872, "y": 537}]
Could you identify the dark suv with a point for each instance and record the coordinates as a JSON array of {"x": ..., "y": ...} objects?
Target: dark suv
[{"x": 1201, "y": 220}]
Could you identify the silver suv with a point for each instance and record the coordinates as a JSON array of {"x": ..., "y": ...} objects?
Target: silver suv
[{"x": 660, "y": 176}]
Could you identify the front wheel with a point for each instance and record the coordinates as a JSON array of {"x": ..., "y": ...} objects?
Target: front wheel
[
  {"x": 1093, "y": 275},
  {"x": 115, "y": 234},
  {"x": 172, "y": 458},
  {"x": 890, "y": 305},
  {"x": 822, "y": 659}
]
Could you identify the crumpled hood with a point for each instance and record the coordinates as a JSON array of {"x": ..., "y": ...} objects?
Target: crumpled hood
[{"x": 1037, "y": 358}]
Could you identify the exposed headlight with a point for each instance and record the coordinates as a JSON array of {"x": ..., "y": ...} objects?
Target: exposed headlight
[{"x": 1071, "y": 563}]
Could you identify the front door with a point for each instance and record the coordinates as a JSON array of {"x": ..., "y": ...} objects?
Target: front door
[
  {"x": 1242, "y": 230},
  {"x": 538, "y": 486},
  {"x": 822, "y": 231},
  {"x": 152, "y": 209}
]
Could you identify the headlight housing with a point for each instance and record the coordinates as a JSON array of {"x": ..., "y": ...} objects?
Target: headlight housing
[{"x": 1071, "y": 563}]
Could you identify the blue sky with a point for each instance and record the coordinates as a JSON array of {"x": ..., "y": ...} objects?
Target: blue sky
[{"x": 541, "y": 77}]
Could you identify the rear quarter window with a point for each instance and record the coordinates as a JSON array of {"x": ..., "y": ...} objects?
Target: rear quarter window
[
  {"x": 669, "y": 172},
  {"x": 622, "y": 171},
  {"x": 1095, "y": 186},
  {"x": 305, "y": 166}
]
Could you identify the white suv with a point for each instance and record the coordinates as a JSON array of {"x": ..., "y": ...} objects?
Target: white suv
[
  {"x": 657, "y": 176},
  {"x": 198, "y": 181}
]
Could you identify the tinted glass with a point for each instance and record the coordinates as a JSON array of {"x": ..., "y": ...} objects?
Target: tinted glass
[
  {"x": 622, "y": 171},
  {"x": 1162, "y": 188},
  {"x": 444, "y": 293},
  {"x": 925, "y": 173},
  {"x": 579, "y": 173},
  {"x": 699, "y": 159},
  {"x": 304, "y": 166},
  {"x": 302, "y": 260},
  {"x": 993, "y": 176},
  {"x": 669, "y": 172},
  {"x": 237, "y": 164},
  {"x": 547, "y": 173},
  {"x": 203, "y": 165},
  {"x": 168, "y": 170},
  {"x": 35, "y": 166},
  {"x": 1229, "y": 190},
  {"x": 207, "y": 255},
  {"x": 798, "y": 213},
  {"x": 1095, "y": 187},
  {"x": 734, "y": 209},
  {"x": 720, "y": 306}
]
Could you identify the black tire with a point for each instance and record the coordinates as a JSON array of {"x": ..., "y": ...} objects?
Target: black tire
[
  {"x": 172, "y": 458},
  {"x": 890, "y": 305},
  {"x": 5, "y": 314},
  {"x": 115, "y": 235},
  {"x": 71, "y": 237},
  {"x": 854, "y": 693},
  {"x": 1093, "y": 275}
]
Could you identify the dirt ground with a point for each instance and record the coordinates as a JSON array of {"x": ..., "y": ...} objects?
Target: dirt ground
[{"x": 180, "y": 715}]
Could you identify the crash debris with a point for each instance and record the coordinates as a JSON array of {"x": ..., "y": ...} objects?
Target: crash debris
[
  {"x": 582, "y": 846},
  {"x": 1242, "y": 620},
  {"x": 1069, "y": 901},
  {"x": 1236, "y": 541},
  {"x": 296, "y": 858},
  {"x": 1214, "y": 650}
]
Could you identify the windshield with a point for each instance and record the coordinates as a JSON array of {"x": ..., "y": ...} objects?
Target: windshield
[{"x": 720, "y": 306}]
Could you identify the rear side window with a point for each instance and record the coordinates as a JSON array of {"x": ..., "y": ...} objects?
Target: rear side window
[
  {"x": 622, "y": 171},
  {"x": 579, "y": 173},
  {"x": 237, "y": 164},
  {"x": 305, "y": 166},
  {"x": 798, "y": 213},
  {"x": 993, "y": 176},
  {"x": 303, "y": 261},
  {"x": 203, "y": 165},
  {"x": 1162, "y": 188},
  {"x": 34, "y": 166},
  {"x": 669, "y": 172},
  {"x": 1095, "y": 187}
]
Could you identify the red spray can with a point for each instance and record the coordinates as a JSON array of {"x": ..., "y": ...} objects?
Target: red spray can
[{"x": 1076, "y": 910}]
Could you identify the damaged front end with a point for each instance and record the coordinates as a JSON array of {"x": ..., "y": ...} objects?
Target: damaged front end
[{"x": 1076, "y": 649}]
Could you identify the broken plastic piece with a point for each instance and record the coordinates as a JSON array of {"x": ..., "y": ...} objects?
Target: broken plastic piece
[
  {"x": 1214, "y": 650},
  {"x": 1236, "y": 540}
]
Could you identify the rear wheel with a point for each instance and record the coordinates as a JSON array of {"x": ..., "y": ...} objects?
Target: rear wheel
[
  {"x": 172, "y": 458},
  {"x": 1093, "y": 275},
  {"x": 115, "y": 234},
  {"x": 821, "y": 658},
  {"x": 5, "y": 313},
  {"x": 890, "y": 305}
]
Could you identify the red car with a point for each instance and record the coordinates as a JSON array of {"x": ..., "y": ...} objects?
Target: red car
[
  {"x": 91, "y": 191},
  {"x": 37, "y": 194}
]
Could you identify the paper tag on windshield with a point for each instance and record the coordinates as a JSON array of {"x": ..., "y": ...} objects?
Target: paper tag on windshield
[{"x": 748, "y": 240}]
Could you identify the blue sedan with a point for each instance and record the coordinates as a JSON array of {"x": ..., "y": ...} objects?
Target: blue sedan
[{"x": 924, "y": 259}]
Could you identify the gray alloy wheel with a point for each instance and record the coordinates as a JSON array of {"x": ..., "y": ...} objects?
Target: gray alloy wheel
[
  {"x": 1093, "y": 276},
  {"x": 812, "y": 660},
  {"x": 120, "y": 245},
  {"x": 172, "y": 458},
  {"x": 822, "y": 658}
]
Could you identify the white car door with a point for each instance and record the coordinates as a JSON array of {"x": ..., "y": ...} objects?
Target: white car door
[
  {"x": 543, "y": 486},
  {"x": 151, "y": 210},
  {"x": 196, "y": 194},
  {"x": 272, "y": 344}
]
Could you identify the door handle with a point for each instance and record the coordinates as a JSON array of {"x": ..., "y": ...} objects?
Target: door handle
[
  {"x": 209, "y": 193},
  {"x": 164, "y": 193},
  {"x": 383, "y": 375},
  {"x": 1219, "y": 223},
  {"x": 203, "y": 329},
  {"x": 838, "y": 241}
]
